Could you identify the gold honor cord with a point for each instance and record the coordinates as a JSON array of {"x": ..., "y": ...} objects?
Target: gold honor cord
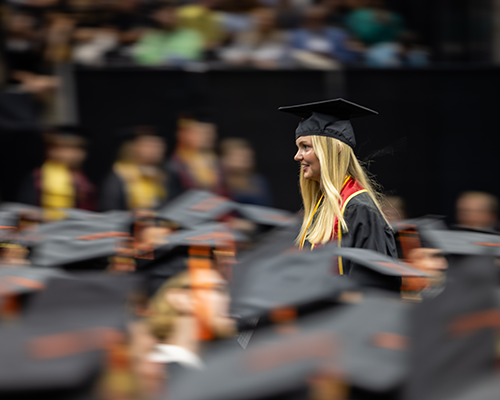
[{"x": 303, "y": 239}]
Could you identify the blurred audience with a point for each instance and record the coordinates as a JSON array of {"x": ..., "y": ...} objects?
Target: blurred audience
[
  {"x": 374, "y": 23},
  {"x": 59, "y": 182},
  {"x": 265, "y": 46},
  {"x": 406, "y": 52},
  {"x": 194, "y": 164},
  {"x": 137, "y": 180},
  {"x": 477, "y": 210},
  {"x": 202, "y": 17},
  {"x": 321, "y": 42},
  {"x": 324, "y": 33},
  {"x": 243, "y": 184},
  {"x": 168, "y": 44}
]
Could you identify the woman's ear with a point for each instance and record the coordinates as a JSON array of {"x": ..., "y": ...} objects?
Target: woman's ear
[
  {"x": 180, "y": 300},
  {"x": 340, "y": 146}
]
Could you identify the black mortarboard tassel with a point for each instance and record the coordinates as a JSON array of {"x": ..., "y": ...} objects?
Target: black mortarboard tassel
[{"x": 329, "y": 118}]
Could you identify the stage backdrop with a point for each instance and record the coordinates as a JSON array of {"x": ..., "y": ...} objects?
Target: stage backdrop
[{"x": 447, "y": 116}]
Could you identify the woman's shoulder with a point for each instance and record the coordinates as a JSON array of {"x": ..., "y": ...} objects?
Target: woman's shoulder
[{"x": 361, "y": 200}]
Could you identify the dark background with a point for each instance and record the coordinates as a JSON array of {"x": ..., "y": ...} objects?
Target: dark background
[{"x": 448, "y": 117}]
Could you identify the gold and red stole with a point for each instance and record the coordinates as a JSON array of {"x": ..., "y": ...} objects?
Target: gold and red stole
[{"x": 351, "y": 188}]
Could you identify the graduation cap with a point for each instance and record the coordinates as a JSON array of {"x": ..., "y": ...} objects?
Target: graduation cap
[
  {"x": 454, "y": 334},
  {"x": 23, "y": 280},
  {"x": 463, "y": 243},
  {"x": 171, "y": 258},
  {"x": 303, "y": 279},
  {"x": 266, "y": 216},
  {"x": 329, "y": 118},
  {"x": 77, "y": 241},
  {"x": 195, "y": 207},
  {"x": 363, "y": 344},
  {"x": 57, "y": 349},
  {"x": 85, "y": 301}
]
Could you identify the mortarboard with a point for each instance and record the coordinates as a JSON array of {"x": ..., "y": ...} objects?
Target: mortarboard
[
  {"x": 195, "y": 207},
  {"x": 266, "y": 216},
  {"x": 453, "y": 334},
  {"x": 75, "y": 241},
  {"x": 304, "y": 278},
  {"x": 57, "y": 349},
  {"x": 22, "y": 280},
  {"x": 83, "y": 301},
  {"x": 463, "y": 243},
  {"x": 364, "y": 344},
  {"x": 329, "y": 118}
]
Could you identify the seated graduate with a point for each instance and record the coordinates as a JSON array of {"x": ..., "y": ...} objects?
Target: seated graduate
[
  {"x": 194, "y": 163},
  {"x": 59, "y": 182},
  {"x": 340, "y": 201},
  {"x": 136, "y": 180},
  {"x": 186, "y": 312}
]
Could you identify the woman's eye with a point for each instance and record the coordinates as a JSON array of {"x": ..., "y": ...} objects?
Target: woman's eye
[{"x": 306, "y": 147}]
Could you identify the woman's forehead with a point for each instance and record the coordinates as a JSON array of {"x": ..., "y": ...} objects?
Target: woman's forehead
[{"x": 303, "y": 140}]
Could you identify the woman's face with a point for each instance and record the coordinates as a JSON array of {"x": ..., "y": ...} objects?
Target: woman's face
[{"x": 306, "y": 156}]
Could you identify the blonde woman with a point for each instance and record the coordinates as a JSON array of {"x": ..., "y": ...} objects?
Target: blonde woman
[{"x": 340, "y": 202}]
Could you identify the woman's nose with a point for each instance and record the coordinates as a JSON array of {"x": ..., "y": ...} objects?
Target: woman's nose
[{"x": 298, "y": 156}]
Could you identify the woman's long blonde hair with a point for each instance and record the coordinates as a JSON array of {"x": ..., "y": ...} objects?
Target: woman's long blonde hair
[{"x": 337, "y": 161}]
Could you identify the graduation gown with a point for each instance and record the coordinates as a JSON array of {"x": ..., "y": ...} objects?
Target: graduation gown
[{"x": 366, "y": 229}]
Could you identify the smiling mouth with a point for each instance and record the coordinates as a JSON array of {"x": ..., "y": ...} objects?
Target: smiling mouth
[{"x": 304, "y": 167}]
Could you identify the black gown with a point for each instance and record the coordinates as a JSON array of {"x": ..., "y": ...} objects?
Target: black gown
[{"x": 367, "y": 229}]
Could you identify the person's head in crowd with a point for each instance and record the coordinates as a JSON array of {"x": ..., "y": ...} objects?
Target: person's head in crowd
[
  {"x": 20, "y": 25},
  {"x": 196, "y": 135},
  {"x": 265, "y": 20},
  {"x": 314, "y": 18},
  {"x": 126, "y": 6},
  {"x": 477, "y": 210},
  {"x": 165, "y": 17},
  {"x": 175, "y": 309},
  {"x": 237, "y": 156},
  {"x": 394, "y": 208},
  {"x": 210, "y": 4},
  {"x": 145, "y": 148},
  {"x": 67, "y": 149}
]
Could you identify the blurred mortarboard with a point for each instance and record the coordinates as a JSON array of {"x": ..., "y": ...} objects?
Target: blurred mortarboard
[
  {"x": 364, "y": 344},
  {"x": 210, "y": 234},
  {"x": 464, "y": 243},
  {"x": 83, "y": 301},
  {"x": 72, "y": 241},
  {"x": 487, "y": 389},
  {"x": 170, "y": 258},
  {"x": 23, "y": 210},
  {"x": 195, "y": 207},
  {"x": 454, "y": 334},
  {"x": 9, "y": 224},
  {"x": 329, "y": 118},
  {"x": 58, "y": 347},
  {"x": 266, "y": 216},
  {"x": 24, "y": 279},
  {"x": 303, "y": 278}
]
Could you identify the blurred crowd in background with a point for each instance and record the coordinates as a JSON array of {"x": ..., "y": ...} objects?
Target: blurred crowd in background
[
  {"x": 268, "y": 34},
  {"x": 141, "y": 178}
]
